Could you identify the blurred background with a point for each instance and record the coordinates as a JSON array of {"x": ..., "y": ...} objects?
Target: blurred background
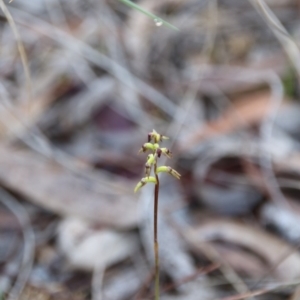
[{"x": 83, "y": 83}]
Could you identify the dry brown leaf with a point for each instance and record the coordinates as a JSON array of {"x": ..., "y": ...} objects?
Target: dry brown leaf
[
  {"x": 241, "y": 261},
  {"x": 87, "y": 248},
  {"x": 247, "y": 111},
  {"x": 99, "y": 198},
  {"x": 280, "y": 256},
  {"x": 17, "y": 120},
  {"x": 292, "y": 164},
  {"x": 284, "y": 219},
  {"x": 296, "y": 294},
  {"x": 34, "y": 293}
]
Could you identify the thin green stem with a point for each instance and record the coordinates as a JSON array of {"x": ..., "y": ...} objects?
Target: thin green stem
[
  {"x": 148, "y": 13},
  {"x": 156, "y": 253},
  {"x": 153, "y": 145}
]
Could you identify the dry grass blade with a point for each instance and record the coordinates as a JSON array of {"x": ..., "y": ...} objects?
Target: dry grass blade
[
  {"x": 159, "y": 21},
  {"x": 29, "y": 243},
  {"x": 94, "y": 56},
  {"x": 20, "y": 47},
  {"x": 280, "y": 32},
  {"x": 247, "y": 295}
]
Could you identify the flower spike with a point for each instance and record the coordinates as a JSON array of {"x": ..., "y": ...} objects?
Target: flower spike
[
  {"x": 151, "y": 163},
  {"x": 154, "y": 139}
]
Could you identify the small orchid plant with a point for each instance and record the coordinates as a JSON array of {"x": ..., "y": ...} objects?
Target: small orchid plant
[{"x": 153, "y": 146}]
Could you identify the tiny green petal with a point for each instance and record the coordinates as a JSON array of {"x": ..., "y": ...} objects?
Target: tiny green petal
[
  {"x": 175, "y": 173},
  {"x": 166, "y": 152},
  {"x": 139, "y": 185}
]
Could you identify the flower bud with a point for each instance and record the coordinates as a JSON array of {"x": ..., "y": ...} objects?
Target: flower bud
[
  {"x": 143, "y": 182},
  {"x": 156, "y": 137},
  {"x": 158, "y": 152},
  {"x": 168, "y": 170}
]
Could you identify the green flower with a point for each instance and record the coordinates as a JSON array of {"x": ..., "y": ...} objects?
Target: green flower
[
  {"x": 164, "y": 151},
  {"x": 168, "y": 170},
  {"x": 156, "y": 137},
  {"x": 153, "y": 146},
  {"x": 147, "y": 146},
  {"x": 143, "y": 182}
]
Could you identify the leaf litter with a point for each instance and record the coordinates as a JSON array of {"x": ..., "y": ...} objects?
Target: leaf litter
[{"x": 103, "y": 75}]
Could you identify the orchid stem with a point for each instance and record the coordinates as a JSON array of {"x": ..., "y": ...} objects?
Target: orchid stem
[
  {"x": 156, "y": 253},
  {"x": 153, "y": 146}
]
